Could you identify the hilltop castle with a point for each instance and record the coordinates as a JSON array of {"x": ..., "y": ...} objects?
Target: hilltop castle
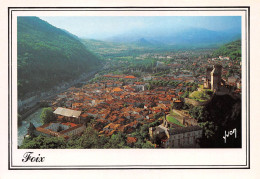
[{"x": 213, "y": 78}]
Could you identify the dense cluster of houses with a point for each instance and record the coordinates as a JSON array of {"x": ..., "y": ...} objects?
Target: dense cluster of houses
[
  {"x": 114, "y": 105},
  {"x": 120, "y": 103}
]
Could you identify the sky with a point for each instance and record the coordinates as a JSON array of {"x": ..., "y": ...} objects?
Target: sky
[{"x": 102, "y": 27}]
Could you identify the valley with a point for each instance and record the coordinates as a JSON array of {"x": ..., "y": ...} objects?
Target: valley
[{"x": 135, "y": 90}]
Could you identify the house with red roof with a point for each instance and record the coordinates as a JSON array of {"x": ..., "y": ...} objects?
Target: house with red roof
[
  {"x": 131, "y": 140},
  {"x": 66, "y": 129}
]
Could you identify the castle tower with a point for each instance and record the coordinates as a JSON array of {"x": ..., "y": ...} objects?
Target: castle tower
[
  {"x": 216, "y": 77},
  {"x": 207, "y": 84},
  {"x": 208, "y": 75}
]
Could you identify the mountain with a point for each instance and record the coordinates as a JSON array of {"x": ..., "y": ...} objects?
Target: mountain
[
  {"x": 187, "y": 36},
  {"x": 48, "y": 56},
  {"x": 70, "y": 34},
  {"x": 143, "y": 42},
  {"x": 232, "y": 50}
]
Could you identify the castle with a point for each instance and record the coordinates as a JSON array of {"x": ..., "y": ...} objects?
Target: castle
[{"x": 213, "y": 79}]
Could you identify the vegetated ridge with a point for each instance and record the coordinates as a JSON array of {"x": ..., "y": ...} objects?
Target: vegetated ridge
[
  {"x": 232, "y": 50},
  {"x": 48, "y": 56}
]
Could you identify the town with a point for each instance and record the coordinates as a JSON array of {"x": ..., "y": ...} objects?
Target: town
[{"x": 152, "y": 99}]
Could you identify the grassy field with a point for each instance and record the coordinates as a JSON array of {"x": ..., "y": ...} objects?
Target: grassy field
[
  {"x": 172, "y": 113},
  {"x": 201, "y": 96},
  {"x": 174, "y": 120}
]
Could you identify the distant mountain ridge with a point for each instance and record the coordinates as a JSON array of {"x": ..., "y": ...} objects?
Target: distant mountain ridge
[
  {"x": 143, "y": 42},
  {"x": 48, "y": 56},
  {"x": 186, "y": 36}
]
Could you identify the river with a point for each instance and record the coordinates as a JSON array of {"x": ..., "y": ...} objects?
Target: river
[{"x": 34, "y": 118}]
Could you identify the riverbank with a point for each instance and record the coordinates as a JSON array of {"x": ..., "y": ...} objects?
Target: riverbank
[
  {"x": 34, "y": 118},
  {"x": 27, "y": 109}
]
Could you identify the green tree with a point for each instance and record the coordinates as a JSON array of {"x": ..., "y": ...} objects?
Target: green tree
[
  {"x": 117, "y": 141},
  {"x": 185, "y": 95},
  {"x": 155, "y": 123},
  {"x": 208, "y": 128},
  {"x": 144, "y": 131},
  {"x": 198, "y": 113},
  {"x": 148, "y": 145},
  {"x": 158, "y": 115},
  {"x": 47, "y": 115},
  {"x": 89, "y": 139},
  {"x": 194, "y": 87},
  {"x": 47, "y": 54},
  {"x": 42, "y": 142}
]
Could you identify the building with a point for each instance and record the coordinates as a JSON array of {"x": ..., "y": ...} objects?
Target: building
[
  {"x": 177, "y": 137},
  {"x": 177, "y": 104},
  {"x": 147, "y": 78},
  {"x": 180, "y": 137},
  {"x": 216, "y": 77},
  {"x": 59, "y": 129},
  {"x": 140, "y": 88},
  {"x": 213, "y": 78},
  {"x": 184, "y": 137},
  {"x": 208, "y": 78},
  {"x": 69, "y": 115}
]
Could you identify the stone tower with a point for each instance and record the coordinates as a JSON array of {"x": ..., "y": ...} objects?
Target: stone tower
[
  {"x": 216, "y": 77},
  {"x": 207, "y": 83},
  {"x": 208, "y": 75}
]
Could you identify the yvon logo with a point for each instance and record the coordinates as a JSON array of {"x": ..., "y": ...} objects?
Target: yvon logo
[{"x": 229, "y": 133}]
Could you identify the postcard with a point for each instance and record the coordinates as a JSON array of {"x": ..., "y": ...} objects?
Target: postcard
[{"x": 128, "y": 88}]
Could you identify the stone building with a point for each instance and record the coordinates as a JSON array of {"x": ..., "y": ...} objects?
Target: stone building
[
  {"x": 208, "y": 78},
  {"x": 178, "y": 137},
  {"x": 58, "y": 129},
  {"x": 216, "y": 77},
  {"x": 213, "y": 78},
  {"x": 184, "y": 137}
]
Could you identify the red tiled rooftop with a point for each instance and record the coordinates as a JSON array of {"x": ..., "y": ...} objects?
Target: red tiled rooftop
[
  {"x": 84, "y": 115},
  {"x": 69, "y": 124},
  {"x": 177, "y": 101},
  {"x": 130, "y": 77},
  {"x": 117, "y": 89},
  {"x": 180, "y": 93},
  {"x": 111, "y": 133},
  {"x": 131, "y": 140}
]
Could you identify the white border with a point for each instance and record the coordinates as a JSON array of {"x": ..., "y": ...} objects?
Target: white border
[{"x": 132, "y": 158}]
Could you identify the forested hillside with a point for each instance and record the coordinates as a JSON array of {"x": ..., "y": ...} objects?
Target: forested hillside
[
  {"x": 232, "y": 50},
  {"x": 221, "y": 114},
  {"x": 48, "y": 56}
]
